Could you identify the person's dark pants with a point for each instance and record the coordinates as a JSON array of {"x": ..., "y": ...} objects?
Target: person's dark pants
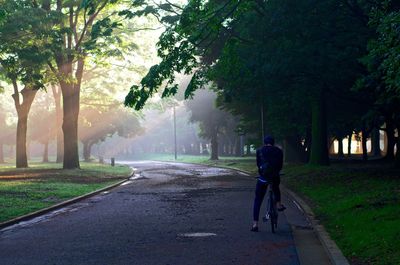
[{"x": 261, "y": 189}]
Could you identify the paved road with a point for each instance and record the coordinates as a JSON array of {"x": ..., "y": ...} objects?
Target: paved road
[{"x": 167, "y": 214}]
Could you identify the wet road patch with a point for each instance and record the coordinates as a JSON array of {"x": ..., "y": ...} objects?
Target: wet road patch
[{"x": 198, "y": 234}]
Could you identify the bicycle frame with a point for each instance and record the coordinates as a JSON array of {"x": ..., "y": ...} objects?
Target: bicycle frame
[{"x": 272, "y": 212}]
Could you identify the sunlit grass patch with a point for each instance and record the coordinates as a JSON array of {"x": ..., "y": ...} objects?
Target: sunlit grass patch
[
  {"x": 88, "y": 172},
  {"x": 42, "y": 185}
]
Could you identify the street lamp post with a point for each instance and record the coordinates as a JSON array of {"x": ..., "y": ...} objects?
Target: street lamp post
[
  {"x": 175, "y": 146},
  {"x": 262, "y": 123}
]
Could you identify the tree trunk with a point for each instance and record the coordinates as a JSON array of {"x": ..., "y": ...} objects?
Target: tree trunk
[
  {"x": 22, "y": 158},
  {"x": 221, "y": 147},
  {"x": 238, "y": 146},
  {"x": 204, "y": 150},
  {"x": 391, "y": 141},
  {"x": 248, "y": 149},
  {"x": 340, "y": 151},
  {"x": 364, "y": 143},
  {"x": 375, "y": 142},
  {"x": 349, "y": 145},
  {"x": 70, "y": 127},
  {"x": 214, "y": 146},
  {"x": 89, "y": 151},
  {"x": 4, "y": 125},
  {"x": 242, "y": 145},
  {"x": 46, "y": 152},
  {"x": 307, "y": 145},
  {"x": 28, "y": 95},
  {"x": 86, "y": 150},
  {"x": 293, "y": 150},
  {"x": 1, "y": 153},
  {"x": 71, "y": 95},
  {"x": 11, "y": 152},
  {"x": 188, "y": 148},
  {"x": 331, "y": 146},
  {"x": 397, "y": 159},
  {"x": 319, "y": 138},
  {"x": 196, "y": 148},
  {"x": 59, "y": 118}
]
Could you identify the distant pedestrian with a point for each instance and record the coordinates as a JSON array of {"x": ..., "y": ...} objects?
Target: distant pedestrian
[{"x": 269, "y": 164}]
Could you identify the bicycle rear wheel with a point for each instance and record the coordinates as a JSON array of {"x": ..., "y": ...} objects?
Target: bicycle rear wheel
[
  {"x": 272, "y": 226},
  {"x": 272, "y": 213},
  {"x": 275, "y": 221}
]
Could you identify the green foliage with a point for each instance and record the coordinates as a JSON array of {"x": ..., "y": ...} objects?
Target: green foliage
[
  {"x": 388, "y": 48},
  {"x": 177, "y": 48},
  {"x": 175, "y": 59},
  {"x": 268, "y": 55},
  {"x": 101, "y": 29},
  {"x": 23, "y": 46},
  {"x": 381, "y": 81},
  {"x": 381, "y": 60}
]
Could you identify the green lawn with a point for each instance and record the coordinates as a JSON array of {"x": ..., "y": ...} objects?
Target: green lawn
[
  {"x": 358, "y": 204},
  {"x": 27, "y": 190}
]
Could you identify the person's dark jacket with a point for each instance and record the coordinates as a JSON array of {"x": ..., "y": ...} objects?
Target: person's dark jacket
[{"x": 273, "y": 156}]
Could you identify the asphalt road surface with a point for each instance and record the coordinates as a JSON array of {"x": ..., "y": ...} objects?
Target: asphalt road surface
[{"x": 168, "y": 213}]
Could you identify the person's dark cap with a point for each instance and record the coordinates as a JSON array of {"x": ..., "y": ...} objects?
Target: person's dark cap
[{"x": 269, "y": 140}]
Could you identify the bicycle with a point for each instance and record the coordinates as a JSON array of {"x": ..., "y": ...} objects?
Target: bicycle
[{"x": 272, "y": 211}]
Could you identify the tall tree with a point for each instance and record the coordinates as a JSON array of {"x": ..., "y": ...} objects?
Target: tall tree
[
  {"x": 211, "y": 119},
  {"x": 382, "y": 80},
  {"x": 3, "y": 125},
  {"x": 99, "y": 123},
  {"x": 83, "y": 28},
  {"x": 58, "y": 119},
  {"x": 23, "y": 61}
]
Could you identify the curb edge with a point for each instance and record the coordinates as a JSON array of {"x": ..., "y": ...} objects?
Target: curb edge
[{"x": 335, "y": 254}]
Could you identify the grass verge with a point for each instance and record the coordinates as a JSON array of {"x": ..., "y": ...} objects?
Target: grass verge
[
  {"x": 359, "y": 204},
  {"x": 23, "y": 191}
]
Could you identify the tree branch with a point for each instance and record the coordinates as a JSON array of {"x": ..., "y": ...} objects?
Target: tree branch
[
  {"x": 174, "y": 5},
  {"x": 16, "y": 94},
  {"x": 89, "y": 23},
  {"x": 71, "y": 23},
  {"x": 75, "y": 23}
]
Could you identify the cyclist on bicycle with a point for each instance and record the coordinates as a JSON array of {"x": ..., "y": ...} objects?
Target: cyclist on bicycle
[{"x": 269, "y": 163}]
